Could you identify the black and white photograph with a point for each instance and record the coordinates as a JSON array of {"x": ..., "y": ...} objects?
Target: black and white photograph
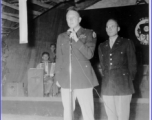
[{"x": 75, "y": 60}]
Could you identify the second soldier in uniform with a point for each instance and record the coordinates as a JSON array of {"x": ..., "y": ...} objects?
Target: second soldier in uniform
[{"x": 118, "y": 64}]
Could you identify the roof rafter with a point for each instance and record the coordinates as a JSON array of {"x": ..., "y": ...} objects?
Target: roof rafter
[
  {"x": 56, "y": 1},
  {"x": 10, "y": 18},
  {"x": 13, "y": 28},
  {"x": 36, "y": 12},
  {"x": 5, "y": 32},
  {"x": 41, "y": 4},
  {"x": 10, "y": 5},
  {"x": 11, "y": 14},
  {"x": 17, "y": 8}
]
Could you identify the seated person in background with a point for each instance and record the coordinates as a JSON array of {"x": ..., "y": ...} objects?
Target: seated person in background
[
  {"x": 52, "y": 52},
  {"x": 48, "y": 77},
  {"x": 55, "y": 88}
]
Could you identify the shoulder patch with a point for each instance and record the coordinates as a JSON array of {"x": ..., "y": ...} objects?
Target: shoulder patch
[{"x": 94, "y": 34}]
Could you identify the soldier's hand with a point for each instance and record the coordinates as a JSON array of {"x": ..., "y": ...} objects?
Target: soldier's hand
[
  {"x": 73, "y": 35},
  {"x": 58, "y": 84},
  {"x": 101, "y": 72}
]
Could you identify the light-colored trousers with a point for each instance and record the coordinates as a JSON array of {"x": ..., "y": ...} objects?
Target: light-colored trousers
[
  {"x": 117, "y": 107},
  {"x": 85, "y": 99}
]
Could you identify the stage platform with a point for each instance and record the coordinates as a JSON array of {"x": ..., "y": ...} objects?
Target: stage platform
[{"x": 50, "y": 108}]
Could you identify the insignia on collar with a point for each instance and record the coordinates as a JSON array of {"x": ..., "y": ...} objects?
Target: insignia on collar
[{"x": 94, "y": 35}]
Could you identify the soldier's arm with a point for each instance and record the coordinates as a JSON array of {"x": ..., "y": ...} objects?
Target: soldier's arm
[
  {"x": 131, "y": 59},
  {"x": 87, "y": 48},
  {"x": 101, "y": 60},
  {"x": 58, "y": 56}
]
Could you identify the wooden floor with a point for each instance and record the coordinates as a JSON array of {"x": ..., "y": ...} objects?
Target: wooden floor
[
  {"x": 50, "y": 108},
  {"x": 36, "y": 117}
]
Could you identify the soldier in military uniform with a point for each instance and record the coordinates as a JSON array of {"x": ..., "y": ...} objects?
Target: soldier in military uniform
[
  {"x": 118, "y": 69},
  {"x": 83, "y": 78}
]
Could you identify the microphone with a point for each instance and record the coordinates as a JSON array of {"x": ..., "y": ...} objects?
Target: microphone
[
  {"x": 74, "y": 35},
  {"x": 69, "y": 33}
]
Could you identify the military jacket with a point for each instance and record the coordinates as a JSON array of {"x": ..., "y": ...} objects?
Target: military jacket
[
  {"x": 118, "y": 66},
  {"x": 82, "y": 73}
]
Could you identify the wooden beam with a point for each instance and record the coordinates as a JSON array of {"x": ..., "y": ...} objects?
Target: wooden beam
[
  {"x": 41, "y": 4},
  {"x": 3, "y": 35},
  {"x": 85, "y": 4},
  {"x": 56, "y": 1},
  {"x": 5, "y": 27},
  {"x": 36, "y": 13},
  {"x": 33, "y": 1},
  {"x": 12, "y": 1},
  {"x": 5, "y": 32},
  {"x": 17, "y": 8},
  {"x": 11, "y": 14},
  {"x": 9, "y": 5},
  {"x": 13, "y": 19}
]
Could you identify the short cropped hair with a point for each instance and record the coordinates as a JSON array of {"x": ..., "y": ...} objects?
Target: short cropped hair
[
  {"x": 45, "y": 53},
  {"x": 114, "y": 20},
  {"x": 52, "y": 44},
  {"x": 73, "y": 9}
]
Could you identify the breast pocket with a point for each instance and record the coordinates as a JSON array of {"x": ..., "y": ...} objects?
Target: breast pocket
[{"x": 121, "y": 57}]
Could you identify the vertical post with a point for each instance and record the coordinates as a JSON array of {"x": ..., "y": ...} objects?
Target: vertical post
[{"x": 23, "y": 32}]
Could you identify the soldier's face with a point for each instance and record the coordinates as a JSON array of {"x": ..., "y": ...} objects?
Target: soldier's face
[
  {"x": 112, "y": 28},
  {"x": 73, "y": 19}
]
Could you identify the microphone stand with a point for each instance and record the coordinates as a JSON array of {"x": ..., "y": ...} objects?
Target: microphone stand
[{"x": 70, "y": 74}]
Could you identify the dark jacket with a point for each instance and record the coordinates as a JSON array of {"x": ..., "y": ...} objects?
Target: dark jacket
[
  {"x": 83, "y": 75},
  {"x": 118, "y": 67}
]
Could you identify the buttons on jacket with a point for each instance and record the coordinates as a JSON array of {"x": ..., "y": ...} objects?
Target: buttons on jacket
[{"x": 110, "y": 58}]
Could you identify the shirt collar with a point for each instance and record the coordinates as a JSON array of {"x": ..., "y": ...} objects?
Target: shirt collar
[{"x": 113, "y": 39}]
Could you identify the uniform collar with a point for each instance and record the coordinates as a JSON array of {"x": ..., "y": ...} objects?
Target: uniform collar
[
  {"x": 80, "y": 31},
  {"x": 116, "y": 43},
  {"x": 114, "y": 39}
]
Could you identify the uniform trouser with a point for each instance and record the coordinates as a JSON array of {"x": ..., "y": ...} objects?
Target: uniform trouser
[
  {"x": 117, "y": 107},
  {"x": 85, "y": 99}
]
